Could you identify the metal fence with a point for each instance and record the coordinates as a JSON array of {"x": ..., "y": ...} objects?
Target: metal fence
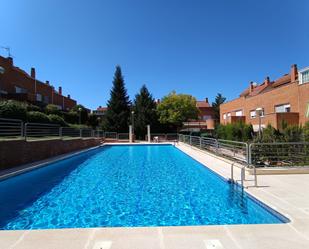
[
  {"x": 38, "y": 130},
  {"x": 123, "y": 136},
  {"x": 254, "y": 154},
  {"x": 110, "y": 135},
  {"x": 11, "y": 128},
  {"x": 162, "y": 137},
  {"x": 279, "y": 154},
  {"x": 231, "y": 149}
]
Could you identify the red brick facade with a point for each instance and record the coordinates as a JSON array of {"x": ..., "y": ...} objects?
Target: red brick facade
[
  {"x": 286, "y": 98},
  {"x": 205, "y": 119},
  {"x": 17, "y": 84}
]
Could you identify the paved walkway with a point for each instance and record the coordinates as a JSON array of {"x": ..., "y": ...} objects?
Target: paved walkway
[{"x": 288, "y": 194}]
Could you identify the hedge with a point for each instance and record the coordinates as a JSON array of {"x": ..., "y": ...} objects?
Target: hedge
[{"x": 13, "y": 109}]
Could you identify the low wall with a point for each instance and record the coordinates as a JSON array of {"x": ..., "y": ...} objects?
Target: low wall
[{"x": 17, "y": 152}]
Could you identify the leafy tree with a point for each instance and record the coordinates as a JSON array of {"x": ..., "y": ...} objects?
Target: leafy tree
[
  {"x": 145, "y": 112},
  {"x": 118, "y": 106},
  {"x": 93, "y": 121},
  {"x": 176, "y": 109},
  {"x": 80, "y": 111},
  {"x": 216, "y": 106}
]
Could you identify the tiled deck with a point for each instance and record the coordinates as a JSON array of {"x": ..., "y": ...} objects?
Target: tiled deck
[{"x": 288, "y": 194}]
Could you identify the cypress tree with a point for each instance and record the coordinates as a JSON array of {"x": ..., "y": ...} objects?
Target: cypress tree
[
  {"x": 144, "y": 112},
  {"x": 118, "y": 106},
  {"x": 216, "y": 106}
]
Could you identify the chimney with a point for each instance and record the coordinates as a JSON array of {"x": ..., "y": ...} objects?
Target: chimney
[
  {"x": 267, "y": 81},
  {"x": 206, "y": 100},
  {"x": 69, "y": 96},
  {"x": 32, "y": 73},
  {"x": 293, "y": 72},
  {"x": 10, "y": 60},
  {"x": 251, "y": 87},
  {"x": 47, "y": 82},
  {"x": 60, "y": 90}
]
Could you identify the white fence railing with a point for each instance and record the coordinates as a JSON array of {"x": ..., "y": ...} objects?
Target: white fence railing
[
  {"x": 231, "y": 149},
  {"x": 162, "y": 137}
]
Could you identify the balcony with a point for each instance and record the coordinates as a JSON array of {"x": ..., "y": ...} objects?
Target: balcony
[
  {"x": 198, "y": 125},
  {"x": 276, "y": 120}
]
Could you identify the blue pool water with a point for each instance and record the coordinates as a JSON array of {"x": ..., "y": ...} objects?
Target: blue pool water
[{"x": 125, "y": 186}]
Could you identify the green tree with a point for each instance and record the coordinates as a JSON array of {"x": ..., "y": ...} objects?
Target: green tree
[
  {"x": 81, "y": 112},
  {"x": 145, "y": 112},
  {"x": 176, "y": 109},
  {"x": 216, "y": 106},
  {"x": 118, "y": 106}
]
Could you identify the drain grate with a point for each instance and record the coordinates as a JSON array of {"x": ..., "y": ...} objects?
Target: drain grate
[
  {"x": 213, "y": 244},
  {"x": 106, "y": 244}
]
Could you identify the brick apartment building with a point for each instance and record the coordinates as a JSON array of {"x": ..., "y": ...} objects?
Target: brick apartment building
[
  {"x": 205, "y": 119},
  {"x": 16, "y": 84},
  {"x": 286, "y": 98},
  {"x": 100, "y": 111}
]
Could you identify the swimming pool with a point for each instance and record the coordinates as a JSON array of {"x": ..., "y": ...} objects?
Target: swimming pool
[{"x": 126, "y": 186}]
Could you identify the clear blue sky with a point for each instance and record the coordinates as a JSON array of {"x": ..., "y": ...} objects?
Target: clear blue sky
[{"x": 197, "y": 47}]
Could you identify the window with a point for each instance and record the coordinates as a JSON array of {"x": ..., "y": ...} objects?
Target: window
[
  {"x": 224, "y": 116},
  {"x": 283, "y": 108},
  {"x": 229, "y": 114},
  {"x": 238, "y": 113},
  {"x": 20, "y": 89},
  {"x": 304, "y": 76},
  {"x": 252, "y": 114},
  {"x": 206, "y": 117},
  {"x": 46, "y": 99},
  {"x": 39, "y": 97}
]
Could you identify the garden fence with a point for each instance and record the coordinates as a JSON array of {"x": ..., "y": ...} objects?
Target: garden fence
[{"x": 11, "y": 128}]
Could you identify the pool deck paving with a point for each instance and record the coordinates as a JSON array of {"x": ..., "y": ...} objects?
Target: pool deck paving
[{"x": 287, "y": 194}]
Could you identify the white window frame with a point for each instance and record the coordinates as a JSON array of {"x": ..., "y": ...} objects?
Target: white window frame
[
  {"x": 284, "y": 106},
  {"x": 300, "y": 75},
  {"x": 19, "y": 89},
  {"x": 239, "y": 112},
  {"x": 39, "y": 97},
  {"x": 251, "y": 112},
  {"x": 224, "y": 116}
]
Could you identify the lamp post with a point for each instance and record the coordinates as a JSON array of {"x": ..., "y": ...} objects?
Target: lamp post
[
  {"x": 132, "y": 120},
  {"x": 2, "y": 70},
  {"x": 259, "y": 111},
  {"x": 80, "y": 115}
]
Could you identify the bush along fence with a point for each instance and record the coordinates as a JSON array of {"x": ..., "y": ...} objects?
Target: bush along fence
[{"x": 283, "y": 154}]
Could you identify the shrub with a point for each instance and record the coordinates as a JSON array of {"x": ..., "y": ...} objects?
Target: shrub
[
  {"x": 293, "y": 133},
  {"x": 55, "y": 119},
  {"x": 13, "y": 109},
  {"x": 33, "y": 108},
  {"x": 52, "y": 109},
  {"x": 237, "y": 131},
  {"x": 37, "y": 117},
  {"x": 71, "y": 117}
]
